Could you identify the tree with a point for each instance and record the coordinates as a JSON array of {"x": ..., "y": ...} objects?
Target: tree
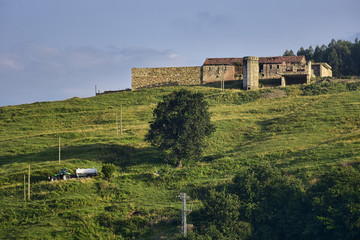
[
  {"x": 181, "y": 123},
  {"x": 308, "y": 53},
  {"x": 108, "y": 170},
  {"x": 271, "y": 202},
  {"x": 288, "y": 53},
  {"x": 219, "y": 218},
  {"x": 336, "y": 205}
]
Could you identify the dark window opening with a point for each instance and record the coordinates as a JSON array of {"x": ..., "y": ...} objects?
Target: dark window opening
[
  {"x": 290, "y": 80},
  {"x": 270, "y": 66},
  {"x": 270, "y": 82},
  {"x": 261, "y": 68},
  {"x": 278, "y": 66}
]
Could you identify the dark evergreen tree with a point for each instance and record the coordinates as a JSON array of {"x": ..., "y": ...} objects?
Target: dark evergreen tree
[
  {"x": 181, "y": 123},
  {"x": 343, "y": 56},
  {"x": 355, "y": 55},
  {"x": 308, "y": 53},
  {"x": 288, "y": 53},
  {"x": 319, "y": 54}
]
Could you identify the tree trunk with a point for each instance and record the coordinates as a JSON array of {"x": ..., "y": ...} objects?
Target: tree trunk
[{"x": 179, "y": 164}]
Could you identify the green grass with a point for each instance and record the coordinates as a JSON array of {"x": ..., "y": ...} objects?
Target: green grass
[{"x": 304, "y": 130}]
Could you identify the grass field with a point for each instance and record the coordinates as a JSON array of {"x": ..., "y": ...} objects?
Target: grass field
[{"x": 304, "y": 130}]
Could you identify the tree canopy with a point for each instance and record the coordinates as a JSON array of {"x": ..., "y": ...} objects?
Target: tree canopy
[
  {"x": 343, "y": 56},
  {"x": 268, "y": 204},
  {"x": 181, "y": 123}
]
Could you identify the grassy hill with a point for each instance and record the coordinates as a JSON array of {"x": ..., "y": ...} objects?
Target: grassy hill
[{"x": 304, "y": 130}]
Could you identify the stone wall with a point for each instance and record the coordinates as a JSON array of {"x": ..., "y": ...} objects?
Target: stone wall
[
  {"x": 167, "y": 76},
  {"x": 322, "y": 70},
  {"x": 215, "y": 73}
]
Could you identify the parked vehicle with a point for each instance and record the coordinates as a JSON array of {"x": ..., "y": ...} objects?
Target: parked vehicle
[
  {"x": 63, "y": 174},
  {"x": 86, "y": 172}
]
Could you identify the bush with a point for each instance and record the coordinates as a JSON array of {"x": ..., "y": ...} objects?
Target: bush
[
  {"x": 108, "y": 170},
  {"x": 353, "y": 86}
]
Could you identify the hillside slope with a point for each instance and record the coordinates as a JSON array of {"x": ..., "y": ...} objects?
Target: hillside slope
[{"x": 305, "y": 131}]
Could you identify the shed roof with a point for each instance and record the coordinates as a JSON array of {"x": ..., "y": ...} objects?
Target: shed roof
[
  {"x": 223, "y": 61},
  {"x": 232, "y": 61},
  {"x": 281, "y": 59}
]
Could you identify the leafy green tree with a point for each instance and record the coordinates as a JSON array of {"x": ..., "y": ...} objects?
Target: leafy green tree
[
  {"x": 271, "y": 202},
  {"x": 219, "y": 218},
  {"x": 181, "y": 123},
  {"x": 336, "y": 205}
]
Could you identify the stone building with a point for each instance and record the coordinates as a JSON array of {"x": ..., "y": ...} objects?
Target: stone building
[{"x": 255, "y": 72}]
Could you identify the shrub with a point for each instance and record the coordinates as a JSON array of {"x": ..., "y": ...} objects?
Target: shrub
[{"x": 108, "y": 170}]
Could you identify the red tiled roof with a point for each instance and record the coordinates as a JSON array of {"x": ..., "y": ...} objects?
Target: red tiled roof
[
  {"x": 222, "y": 61},
  {"x": 281, "y": 59},
  {"x": 232, "y": 61}
]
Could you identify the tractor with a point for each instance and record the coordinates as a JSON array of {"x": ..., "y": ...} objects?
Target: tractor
[{"x": 63, "y": 174}]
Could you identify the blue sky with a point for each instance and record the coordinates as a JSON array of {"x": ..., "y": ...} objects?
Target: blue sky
[{"x": 54, "y": 50}]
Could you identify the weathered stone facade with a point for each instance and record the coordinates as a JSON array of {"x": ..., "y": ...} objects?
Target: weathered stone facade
[
  {"x": 251, "y": 73},
  {"x": 168, "y": 76},
  {"x": 321, "y": 70},
  {"x": 222, "y": 69},
  {"x": 263, "y": 72}
]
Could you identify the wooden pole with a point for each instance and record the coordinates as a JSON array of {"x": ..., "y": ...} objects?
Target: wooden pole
[
  {"x": 29, "y": 184},
  {"x": 24, "y": 188},
  {"x": 222, "y": 79},
  {"x": 59, "y": 151},
  {"x": 120, "y": 119},
  {"x": 117, "y": 126}
]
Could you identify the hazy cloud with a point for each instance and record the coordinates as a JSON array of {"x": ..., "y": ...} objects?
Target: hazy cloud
[
  {"x": 203, "y": 21},
  {"x": 47, "y": 73}
]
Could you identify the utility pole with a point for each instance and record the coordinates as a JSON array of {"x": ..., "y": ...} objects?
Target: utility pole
[
  {"x": 95, "y": 89},
  {"x": 24, "y": 188},
  {"x": 120, "y": 119},
  {"x": 184, "y": 213},
  {"x": 29, "y": 184},
  {"x": 59, "y": 151},
  {"x": 117, "y": 128},
  {"x": 222, "y": 79}
]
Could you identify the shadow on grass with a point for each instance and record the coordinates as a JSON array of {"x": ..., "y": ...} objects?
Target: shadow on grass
[
  {"x": 123, "y": 156},
  {"x": 120, "y": 155},
  {"x": 235, "y": 84}
]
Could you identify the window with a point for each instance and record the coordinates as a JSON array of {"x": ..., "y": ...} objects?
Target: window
[
  {"x": 261, "y": 68},
  {"x": 270, "y": 66},
  {"x": 278, "y": 66}
]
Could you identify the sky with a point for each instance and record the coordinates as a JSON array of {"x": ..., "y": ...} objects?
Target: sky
[{"x": 54, "y": 50}]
